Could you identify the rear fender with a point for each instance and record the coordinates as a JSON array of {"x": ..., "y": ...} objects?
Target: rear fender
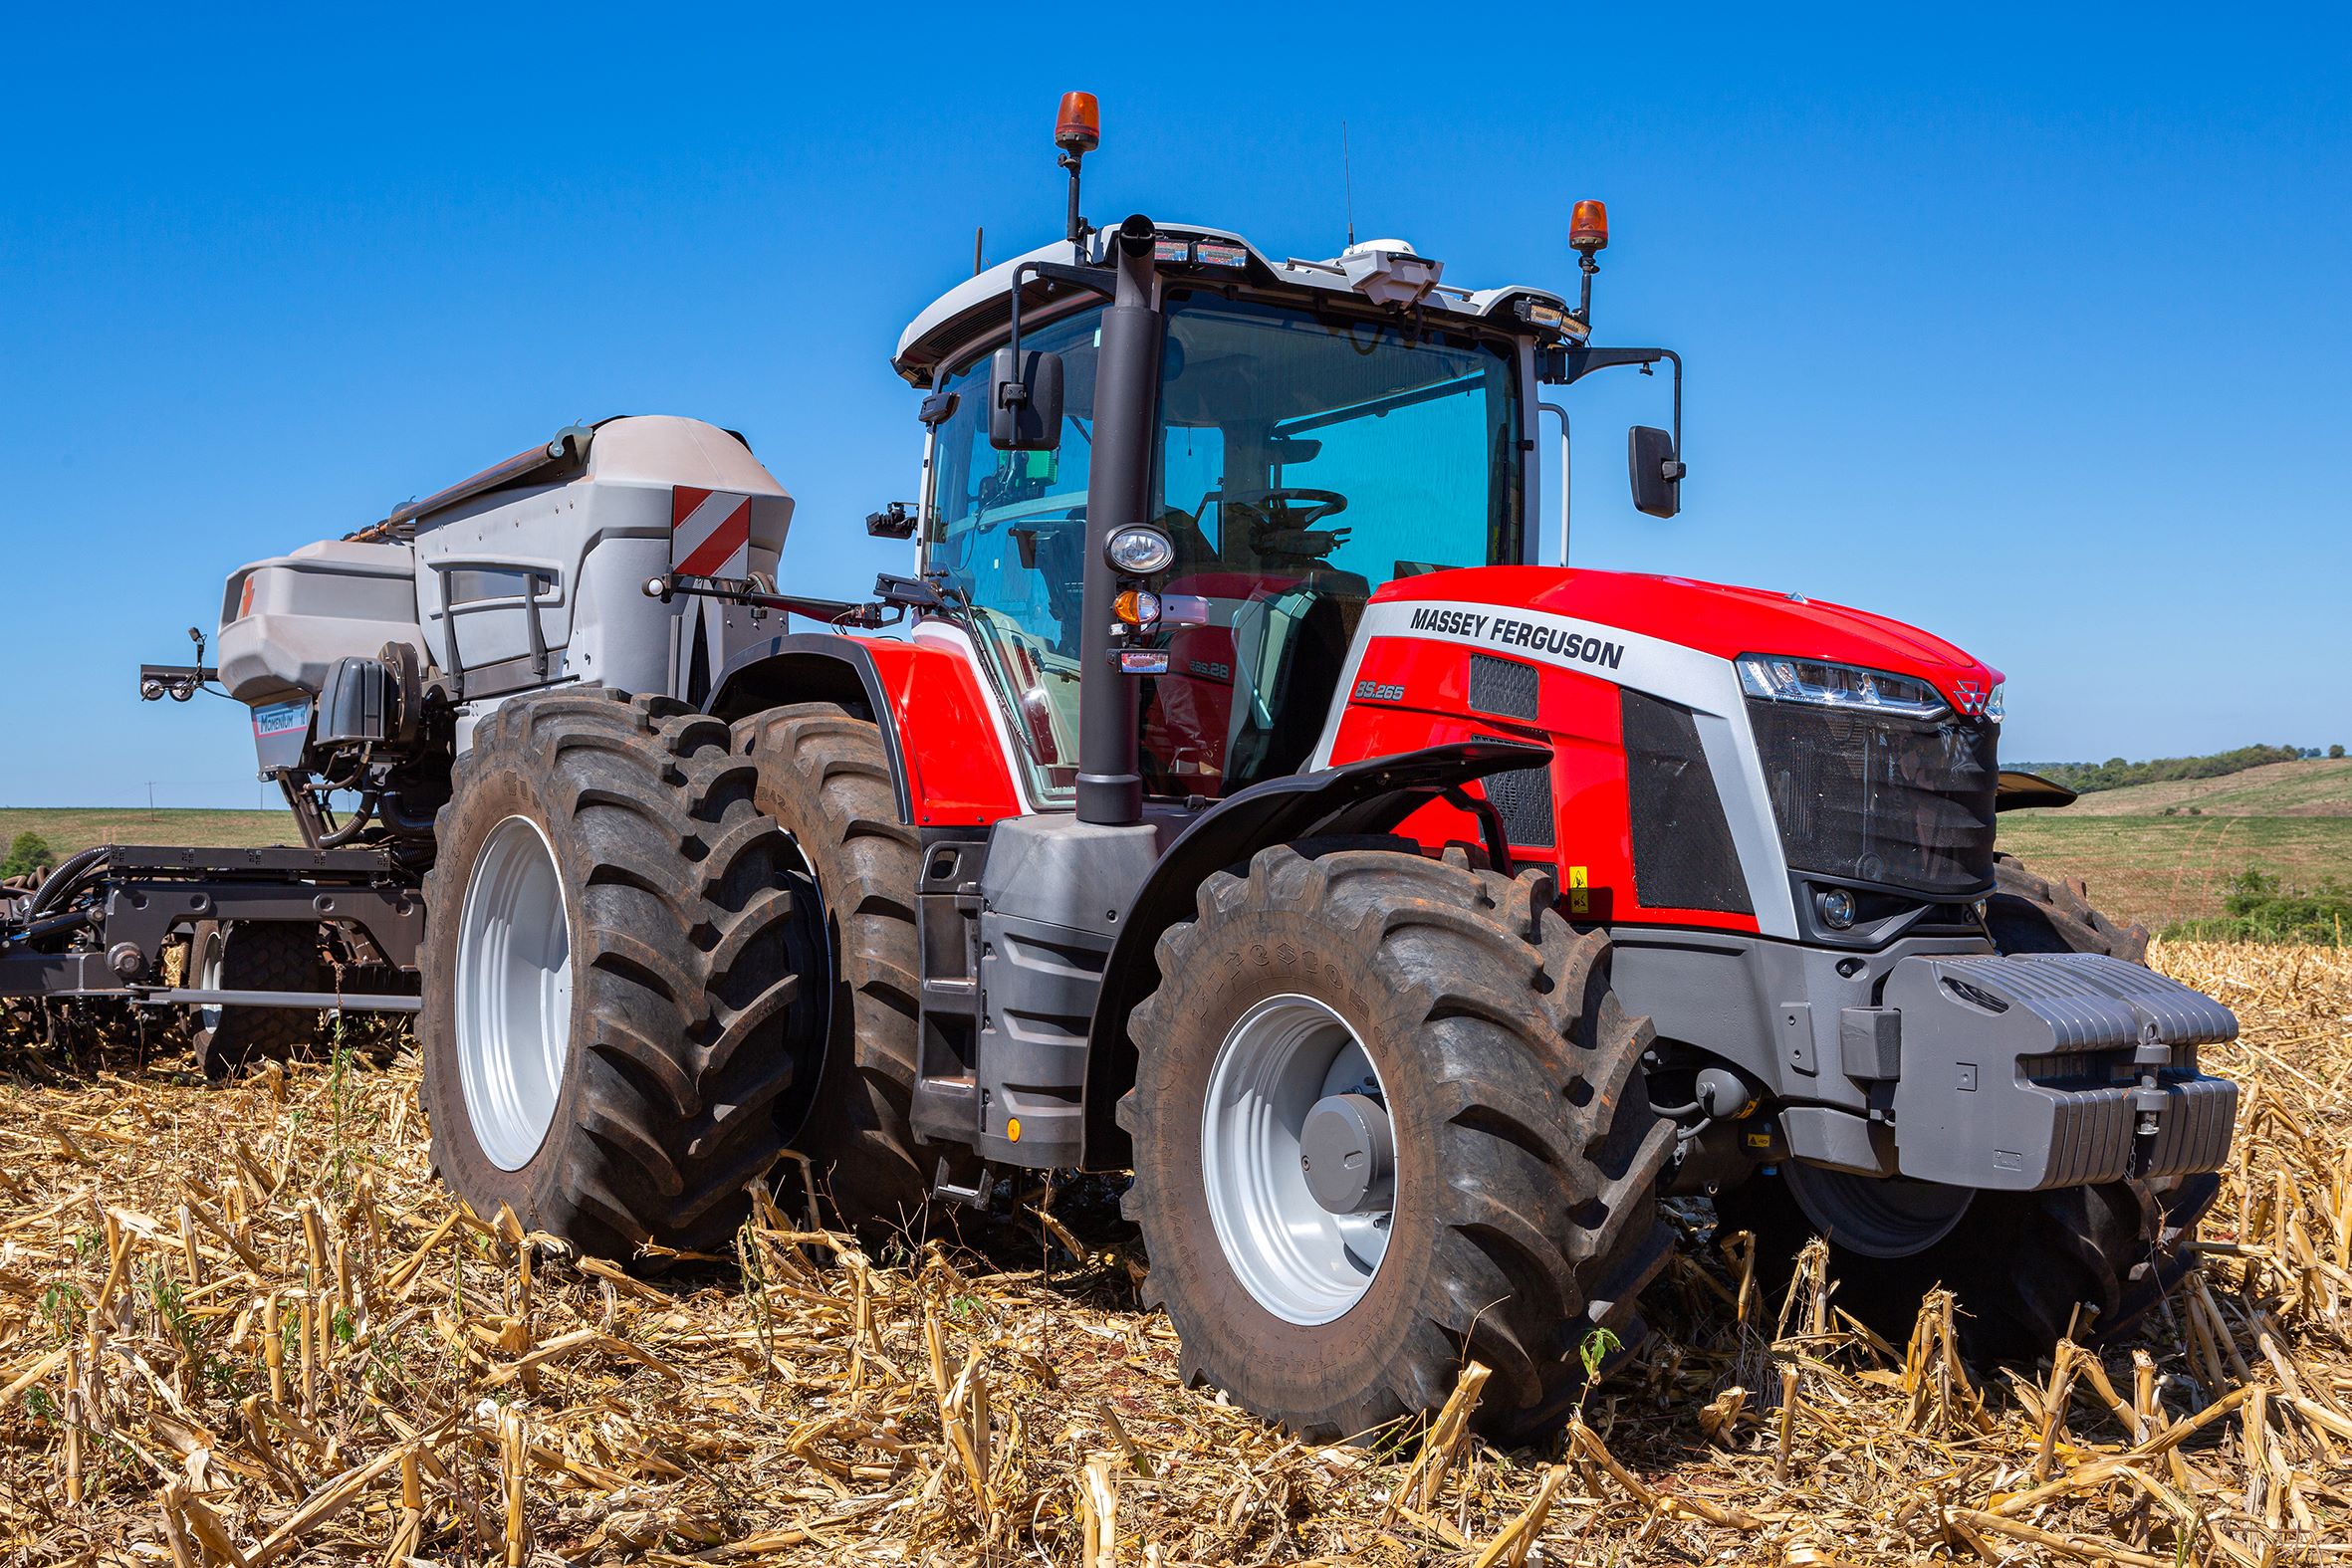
[
  {"x": 1373, "y": 796},
  {"x": 947, "y": 766}
]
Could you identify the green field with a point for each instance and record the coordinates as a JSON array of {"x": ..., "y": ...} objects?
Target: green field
[
  {"x": 71, "y": 828},
  {"x": 2292, "y": 819}
]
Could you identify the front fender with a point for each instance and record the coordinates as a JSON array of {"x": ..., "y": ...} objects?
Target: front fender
[{"x": 1368, "y": 796}]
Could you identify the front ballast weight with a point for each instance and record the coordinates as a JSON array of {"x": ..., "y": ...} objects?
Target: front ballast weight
[{"x": 2027, "y": 1072}]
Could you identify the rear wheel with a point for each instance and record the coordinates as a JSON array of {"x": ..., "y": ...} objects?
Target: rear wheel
[
  {"x": 2028, "y": 1268},
  {"x": 253, "y": 955},
  {"x": 825, "y": 778},
  {"x": 609, "y": 973},
  {"x": 1388, "y": 1118}
]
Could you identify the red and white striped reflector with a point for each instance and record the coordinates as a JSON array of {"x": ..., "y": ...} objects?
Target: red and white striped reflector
[{"x": 710, "y": 532}]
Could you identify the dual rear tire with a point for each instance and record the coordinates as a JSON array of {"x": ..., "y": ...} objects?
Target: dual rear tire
[
  {"x": 667, "y": 954},
  {"x": 612, "y": 976}
]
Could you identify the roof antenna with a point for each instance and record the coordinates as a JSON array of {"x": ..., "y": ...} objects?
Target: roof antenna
[
  {"x": 977, "y": 231},
  {"x": 1347, "y": 185}
]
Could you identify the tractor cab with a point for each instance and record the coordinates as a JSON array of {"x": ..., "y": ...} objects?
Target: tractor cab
[{"x": 1315, "y": 428}]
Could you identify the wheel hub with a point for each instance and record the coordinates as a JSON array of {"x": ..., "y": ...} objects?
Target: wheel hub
[
  {"x": 1348, "y": 1154},
  {"x": 1297, "y": 1159},
  {"x": 512, "y": 1000}
]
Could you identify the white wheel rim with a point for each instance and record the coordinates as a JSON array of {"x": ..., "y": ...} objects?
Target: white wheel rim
[
  {"x": 1299, "y": 1261},
  {"x": 514, "y": 993},
  {"x": 208, "y": 979}
]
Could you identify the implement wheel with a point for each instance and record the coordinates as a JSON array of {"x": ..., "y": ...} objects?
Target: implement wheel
[
  {"x": 1389, "y": 1118},
  {"x": 253, "y": 955},
  {"x": 608, "y": 973}
]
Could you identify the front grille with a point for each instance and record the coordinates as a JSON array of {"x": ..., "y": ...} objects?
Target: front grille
[{"x": 1873, "y": 798}]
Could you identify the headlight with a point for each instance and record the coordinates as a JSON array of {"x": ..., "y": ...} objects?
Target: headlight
[
  {"x": 1997, "y": 705},
  {"x": 1839, "y": 686},
  {"x": 1139, "y": 552}
]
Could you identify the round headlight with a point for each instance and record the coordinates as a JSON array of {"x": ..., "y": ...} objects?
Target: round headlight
[
  {"x": 1837, "y": 908},
  {"x": 1140, "y": 552}
]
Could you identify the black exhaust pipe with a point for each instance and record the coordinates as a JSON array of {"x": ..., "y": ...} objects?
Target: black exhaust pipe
[{"x": 1127, "y": 405}]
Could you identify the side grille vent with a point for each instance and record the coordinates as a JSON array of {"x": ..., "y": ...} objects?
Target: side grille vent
[
  {"x": 1683, "y": 857},
  {"x": 1523, "y": 798},
  {"x": 1505, "y": 688}
]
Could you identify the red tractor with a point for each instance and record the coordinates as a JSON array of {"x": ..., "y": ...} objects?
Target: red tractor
[{"x": 1244, "y": 804}]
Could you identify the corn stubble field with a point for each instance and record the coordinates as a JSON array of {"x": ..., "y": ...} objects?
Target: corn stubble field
[{"x": 245, "y": 1327}]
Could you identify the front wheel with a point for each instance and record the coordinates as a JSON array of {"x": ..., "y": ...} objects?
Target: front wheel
[
  {"x": 1388, "y": 1118},
  {"x": 2028, "y": 1268}
]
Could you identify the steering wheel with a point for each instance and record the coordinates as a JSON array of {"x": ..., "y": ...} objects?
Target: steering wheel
[
  {"x": 1292, "y": 506},
  {"x": 1278, "y": 521}
]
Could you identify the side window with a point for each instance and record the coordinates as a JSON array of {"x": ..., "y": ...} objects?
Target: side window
[
  {"x": 1006, "y": 532},
  {"x": 1192, "y": 470},
  {"x": 1400, "y": 468}
]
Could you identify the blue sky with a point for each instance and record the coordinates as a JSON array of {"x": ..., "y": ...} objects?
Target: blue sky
[{"x": 2030, "y": 329}]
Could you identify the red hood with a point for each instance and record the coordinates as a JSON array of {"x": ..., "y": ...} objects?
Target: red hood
[{"x": 1708, "y": 616}]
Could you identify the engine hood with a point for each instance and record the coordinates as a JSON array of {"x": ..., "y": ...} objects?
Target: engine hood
[{"x": 1715, "y": 619}]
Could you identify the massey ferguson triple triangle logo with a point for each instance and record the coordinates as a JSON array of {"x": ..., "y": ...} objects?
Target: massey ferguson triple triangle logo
[
  {"x": 1970, "y": 695},
  {"x": 710, "y": 532}
]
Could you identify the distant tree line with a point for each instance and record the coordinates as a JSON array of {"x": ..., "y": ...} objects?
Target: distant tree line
[{"x": 2116, "y": 774}]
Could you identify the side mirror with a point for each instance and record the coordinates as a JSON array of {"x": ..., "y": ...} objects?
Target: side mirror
[
  {"x": 1656, "y": 471},
  {"x": 1025, "y": 400}
]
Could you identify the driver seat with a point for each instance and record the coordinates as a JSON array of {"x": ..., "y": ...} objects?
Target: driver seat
[{"x": 1290, "y": 649}]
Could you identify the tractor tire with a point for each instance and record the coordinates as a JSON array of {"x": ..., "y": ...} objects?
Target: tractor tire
[
  {"x": 2025, "y": 1267},
  {"x": 611, "y": 967},
  {"x": 825, "y": 778},
  {"x": 1522, "y": 1205},
  {"x": 253, "y": 955},
  {"x": 2032, "y": 914}
]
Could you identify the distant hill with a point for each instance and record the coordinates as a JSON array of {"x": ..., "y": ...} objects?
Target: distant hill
[
  {"x": 2317, "y": 786},
  {"x": 2168, "y": 852},
  {"x": 2117, "y": 773}
]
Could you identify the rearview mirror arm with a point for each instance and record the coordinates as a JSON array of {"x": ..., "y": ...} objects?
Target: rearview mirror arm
[
  {"x": 1094, "y": 279},
  {"x": 1578, "y": 362}
]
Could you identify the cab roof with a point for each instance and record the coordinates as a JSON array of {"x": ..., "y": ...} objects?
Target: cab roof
[{"x": 976, "y": 308}]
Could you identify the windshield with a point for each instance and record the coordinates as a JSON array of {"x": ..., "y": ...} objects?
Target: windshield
[{"x": 1303, "y": 459}]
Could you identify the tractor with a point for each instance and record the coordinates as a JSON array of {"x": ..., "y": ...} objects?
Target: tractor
[{"x": 1228, "y": 793}]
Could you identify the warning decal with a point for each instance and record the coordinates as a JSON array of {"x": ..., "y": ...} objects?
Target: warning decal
[{"x": 710, "y": 532}]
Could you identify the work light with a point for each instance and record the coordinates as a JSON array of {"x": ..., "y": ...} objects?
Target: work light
[{"x": 1139, "y": 552}]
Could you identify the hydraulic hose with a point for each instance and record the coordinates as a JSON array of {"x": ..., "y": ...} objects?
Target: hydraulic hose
[
  {"x": 360, "y": 815},
  {"x": 59, "y": 880}
]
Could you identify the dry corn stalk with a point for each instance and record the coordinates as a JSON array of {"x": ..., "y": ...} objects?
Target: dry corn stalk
[
  {"x": 1099, "y": 1506},
  {"x": 1439, "y": 1447},
  {"x": 791, "y": 1422}
]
